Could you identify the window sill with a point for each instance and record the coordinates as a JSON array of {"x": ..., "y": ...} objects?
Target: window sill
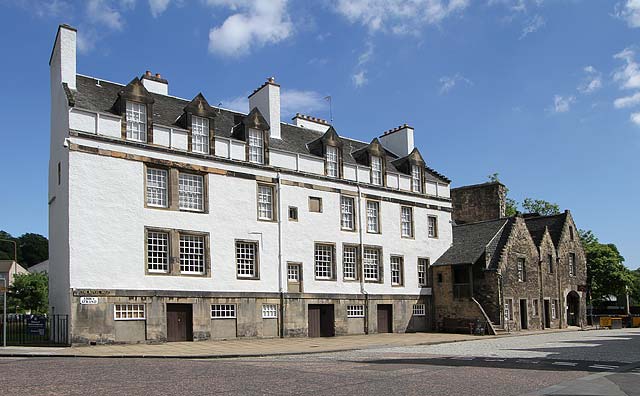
[
  {"x": 325, "y": 279},
  {"x": 247, "y": 277}
]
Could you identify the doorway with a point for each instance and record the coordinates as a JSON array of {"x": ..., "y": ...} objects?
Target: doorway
[
  {"x": 321, "y": 320},
  {"x": 573, "y": 309},
  {"x": 385, "y": 319},
  {"x": 547, "y": 314},
  {"x": 524, "y": 317},
  {"x": 179, "y": 322}
]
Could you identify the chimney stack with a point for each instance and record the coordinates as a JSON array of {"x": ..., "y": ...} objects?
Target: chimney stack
[
  {"x": 62, "y": 63},
  {"x": 479, "y": 202},
  {"x": 155, "y": 83},
  {"x": 309, "y": 122},
  {"x": 267, "y": 100},
  {"x": 399, "y": 140}
]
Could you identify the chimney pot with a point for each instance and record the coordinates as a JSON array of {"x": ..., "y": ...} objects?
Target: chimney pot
[
  {"x": 148, "y": 73},
  {"x": 158, "y": 75},
  {"x": 271, "y": 79}
]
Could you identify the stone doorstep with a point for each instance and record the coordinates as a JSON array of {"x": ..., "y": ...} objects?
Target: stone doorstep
[{"x": 256, "y": 347}]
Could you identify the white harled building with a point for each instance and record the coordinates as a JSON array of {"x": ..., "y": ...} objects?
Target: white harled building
[{"x": 171, "y": 219}]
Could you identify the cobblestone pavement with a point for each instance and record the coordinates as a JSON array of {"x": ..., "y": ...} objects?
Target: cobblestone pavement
[{"x": 581, "y": 363}]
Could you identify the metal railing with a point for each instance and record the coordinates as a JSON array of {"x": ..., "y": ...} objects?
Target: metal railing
[{"x": 36, "y": 330}]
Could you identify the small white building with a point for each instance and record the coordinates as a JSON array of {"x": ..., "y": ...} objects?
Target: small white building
[
  {"x": 171, "y": 219},
  {"x": 9, "y": 269}
]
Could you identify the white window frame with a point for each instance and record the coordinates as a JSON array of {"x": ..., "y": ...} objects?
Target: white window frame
[
  {"x": 157, "y": 187},
  {"x": 136, "y": 114},
  {"x": 246, "y": 253},
  {"x": 419, "y": 310},
  {"x": 199, "y": 134},
  {"x": 331, "y": 158},
  {"x": 223, "y": 311},
  {"x": 347, "y": 213},
  {"x": 193, "y": 251},
  {"x": 572, "y": 264},
  {"x": 266, "y": 202},
  {"x": 423, "y": 268},
  {"x": 376, "y": 171},
  {"x": 129, "y": 312},
  {"x": 158, "y": 251},
  {"x": 406, "y": 221},
  {"x": 323, "y": 258},
  {"x": 255, "y": 140},
  {"x": 191, "y": 192},
  {"x": 396, "y": 267},
  {"x": 269, "y": 311},
  {"x": 416, "y": 178},
  {"x": 535, "y": 307},
  {"x": 432, "y": 226},
  {"x": 373, "y": 217},
  {"x": 554, "y": 309},
  {"x": 355, "y": 311},
  {"x": 350, "y": 262},
  {"x": 522, "y": 275},
  {"x": 371, "y": 264},
  {"x": 508, "y": 309},
  {"x": 293, "y": 272}
]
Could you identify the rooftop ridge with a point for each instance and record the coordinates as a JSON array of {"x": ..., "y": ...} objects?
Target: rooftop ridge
[{"x": 396, "y": 129}]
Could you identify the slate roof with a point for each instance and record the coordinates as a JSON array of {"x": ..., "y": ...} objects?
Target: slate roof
[
  {"x": 537, "y": 225},
  {"x": 167, "y": 109},
  {"x": 471, "y": 241}
]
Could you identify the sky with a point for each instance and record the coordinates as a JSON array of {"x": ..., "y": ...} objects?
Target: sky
[{"x": 544, "y": 92}]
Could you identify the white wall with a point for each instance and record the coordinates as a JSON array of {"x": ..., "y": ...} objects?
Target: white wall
[{"x": 107, "y": 233}]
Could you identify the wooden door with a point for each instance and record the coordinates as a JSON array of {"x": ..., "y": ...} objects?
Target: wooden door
[
  {"x": 314, "y": 321},
  {"x": 524, "y": 317},
  {"x": 327, "y": 321},
  {"x": 547, "y": 314},
  {"x": 385, "y": 319},
  {"x": 179, "y": 322}
]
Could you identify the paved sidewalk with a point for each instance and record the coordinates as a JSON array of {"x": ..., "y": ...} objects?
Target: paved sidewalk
[{"x": 242, "y": 347}]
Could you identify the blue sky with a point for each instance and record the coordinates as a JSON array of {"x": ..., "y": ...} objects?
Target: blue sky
[{"x": 546, "y": 93}]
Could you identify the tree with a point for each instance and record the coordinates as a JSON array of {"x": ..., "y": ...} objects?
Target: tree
[
  {"x": 635, "y": 286},
  {"x": 511, "y": 208},
  {"x": 29, "y": 292},
  {"x": 540, "y": 206},
  {"x": 34, "y": 248},
  {"x": 606, "y": 273},
  {"x": 31, "y": 248}
]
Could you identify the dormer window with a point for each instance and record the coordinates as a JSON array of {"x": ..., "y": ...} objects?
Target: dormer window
[
  {"x": 331, "y": 160},
  {"x": 136, "y": 121},
  {"x": 200, "y": 135},
  {"x": 256, "y": 146},
  {"x": 416, "y": 178},
  {"x": 376, "y": 170}
]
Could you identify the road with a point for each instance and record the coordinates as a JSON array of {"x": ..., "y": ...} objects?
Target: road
[{"x": 582, "y": 362}]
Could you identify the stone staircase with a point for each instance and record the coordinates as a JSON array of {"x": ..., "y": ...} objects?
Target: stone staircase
[{"x": 498, "y": 329}]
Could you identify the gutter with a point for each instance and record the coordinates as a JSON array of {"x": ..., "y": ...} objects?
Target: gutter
[
  {"x": 280, "y": 270},
  {"x": 362, "y": 289}
]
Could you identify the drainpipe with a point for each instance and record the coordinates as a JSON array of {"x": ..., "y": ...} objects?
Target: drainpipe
[
  {"x": 280, "y": 270},
  {"x": 501, "y": 300},
  {"x": 541, "y": 313},
  {"x": 560, "y": 296},
  {"x": 362, "y": 289}
]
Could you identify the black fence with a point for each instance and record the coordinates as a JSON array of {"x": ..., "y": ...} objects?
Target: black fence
[{"x": 36, "y": 330}]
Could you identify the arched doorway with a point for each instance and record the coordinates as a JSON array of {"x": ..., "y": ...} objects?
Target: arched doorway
[{"x": 573, "y": 308}]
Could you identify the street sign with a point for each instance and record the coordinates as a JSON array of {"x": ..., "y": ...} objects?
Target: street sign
[
  {"x": 36, "y": 325},
  {"x": 88, "y": 300}
]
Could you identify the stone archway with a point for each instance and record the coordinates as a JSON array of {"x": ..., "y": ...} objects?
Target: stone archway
[{"x": 573, "y": 308}]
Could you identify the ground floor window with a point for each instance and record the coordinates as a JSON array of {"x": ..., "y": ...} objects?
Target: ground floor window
[
  {"x": 535, "y": 308},
  {"x": 223, "y": 311},
  {"x": 508, "y": 309},
  {"x": 554, "y": 309},
  {"x": 128, "y": 312},
  {"x": 418, "y": 310},
  {"x": 355, "y": 311},
  {"x": 269, "y": 311}
]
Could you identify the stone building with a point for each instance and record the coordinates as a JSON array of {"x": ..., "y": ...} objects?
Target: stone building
[
  {"x": 171, "y": 219},
  {"x": 520, "y": 272}
]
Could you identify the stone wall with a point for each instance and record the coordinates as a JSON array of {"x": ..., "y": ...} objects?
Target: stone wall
[
  {"x": 568, "y": 283},
  {"x": 479, "y": 202},
  {"x": 96, "y": 322},
  {"x": 549, "y": 285},
  {"x": 449, "y": 309}
]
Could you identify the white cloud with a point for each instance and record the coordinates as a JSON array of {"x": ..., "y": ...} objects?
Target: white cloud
[
  {"x": 532, "y": 25},
  {"x": 562, "y": 104},
  {"x": 628, "y": 76},
  {"x": 366, "y": 55},
  {"x": 291, "y": 101},
  {"x": 100, "y": 12},
  {"x": 359, "y": 79},
  {"x": 592, "y": 81},
  {"x": 398, "y": 16},
  {"x": 629, "y": 11},
  {"x": 627, "y": 101},
  {"x": 258, "y": 23},
  {"x": 158, "y": 7},
  {"x": 635, "y": 118},
  {"x": 447, "y": 83},
  {"x": 294, "y": 101}
]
